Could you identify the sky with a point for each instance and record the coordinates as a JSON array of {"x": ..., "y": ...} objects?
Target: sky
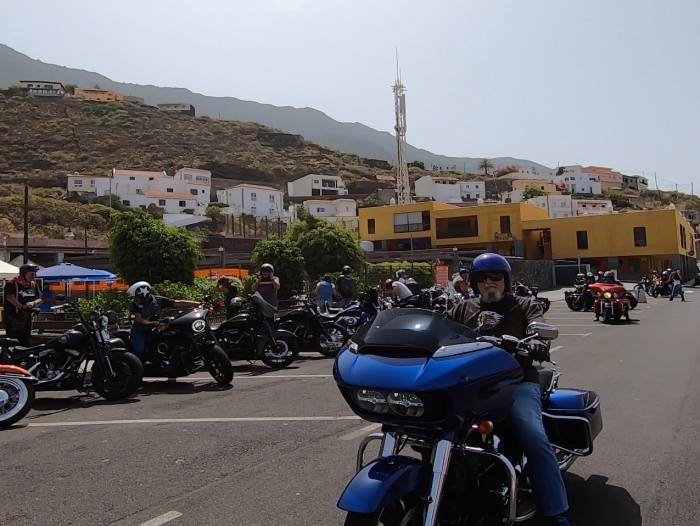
[{"x": 594, "y": 82}]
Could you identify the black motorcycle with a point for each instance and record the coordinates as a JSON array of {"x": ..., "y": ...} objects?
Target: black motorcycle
[
  {"x": 661, "y": 289},
  {"x": 579, "y": 299},
  {"x": 183, "y": 345},
  {"x": 314, "y": 330},
  {"x": 250, "y": 334},
  {"x": 63, "y": 363},
  {"x": 523, "y": 290}
]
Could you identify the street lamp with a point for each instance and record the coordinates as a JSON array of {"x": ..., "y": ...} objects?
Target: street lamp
[
  {"x": 222, "y": 256},
  {"x": 455, "y": 258},
  {"x": 70, "y": 236}
]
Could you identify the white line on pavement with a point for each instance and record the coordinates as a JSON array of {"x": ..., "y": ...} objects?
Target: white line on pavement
[
  {"x": 360, "y": 432},
  {"x": 586, "y": 325},
  {"x": 582, "y": 335},
  {"x": 162, "y": 519},
  {"x": 195, "y": 420},
  {"x": 556, "y": 348},
  {"x": 242, "y": 377}
]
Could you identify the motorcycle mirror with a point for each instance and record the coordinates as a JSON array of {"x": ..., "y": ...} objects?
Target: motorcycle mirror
[
  {"x": 60, "y": 297},
  {"x": 544, "y": 331}
]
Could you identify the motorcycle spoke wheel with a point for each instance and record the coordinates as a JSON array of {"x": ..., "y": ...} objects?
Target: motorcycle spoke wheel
[
  {"x": 331, "y": 348},
  {"x": 16, "y": 399}
]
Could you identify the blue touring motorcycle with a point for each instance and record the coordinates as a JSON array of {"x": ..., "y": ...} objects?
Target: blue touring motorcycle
[{"x": 442, "y": 393}]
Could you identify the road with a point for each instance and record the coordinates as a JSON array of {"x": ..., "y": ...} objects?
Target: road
[{"x": 278, "y": 447}]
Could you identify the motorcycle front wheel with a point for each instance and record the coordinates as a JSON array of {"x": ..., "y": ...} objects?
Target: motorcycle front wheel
[
  {"x": 331, "y": 348},
  {"x": 395, "y": 514},
  {"x": 128, "y": 373},
  {"x": 573, "y": 304},
  {"x": 282, "y": 355},
  {"x": 219, "y": 365},
  {"x": 16, "y": 399}
]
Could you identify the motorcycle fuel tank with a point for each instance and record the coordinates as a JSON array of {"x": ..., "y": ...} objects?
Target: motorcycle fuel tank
[{"x": 68, "y": 340}]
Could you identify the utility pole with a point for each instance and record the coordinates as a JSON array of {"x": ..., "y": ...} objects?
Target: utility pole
[
  {"x": 656, "y": 181},
  {"x": 403, "y": 188},
  {"x": 25, "y": 254}
]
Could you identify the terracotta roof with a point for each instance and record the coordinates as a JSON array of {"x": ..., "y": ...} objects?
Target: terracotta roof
[
  {"x": 138, "y": 173},
  {"x": 257, "y": 186},
  {"x": 169, "y": 195}
]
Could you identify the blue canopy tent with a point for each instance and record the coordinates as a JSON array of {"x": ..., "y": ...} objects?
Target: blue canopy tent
[{"x": 67, "y": 273}]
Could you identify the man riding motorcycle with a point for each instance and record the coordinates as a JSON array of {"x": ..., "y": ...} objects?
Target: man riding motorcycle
[
  {"x": 498, "y": 312},
  {"x": 611, "y": 280},
  {"x": 461, "y": 282}
]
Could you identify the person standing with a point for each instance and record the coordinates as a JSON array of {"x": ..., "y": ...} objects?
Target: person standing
[
  {"x": 230, "y": 292},
  {"x": 22, "y": 294},
  {"x": 267, "y": 284},
  {"x": 324, "y": 294},
  {"x": 677, "y": 283},
  {"x": 345, "y": 287}
]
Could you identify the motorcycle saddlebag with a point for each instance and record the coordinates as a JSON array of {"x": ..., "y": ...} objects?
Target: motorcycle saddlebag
[{"x": 573, "y": 419}]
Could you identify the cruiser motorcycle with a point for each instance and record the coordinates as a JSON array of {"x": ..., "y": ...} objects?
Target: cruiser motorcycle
[
  {"x": 84, "y": 358},
  {"x": 444, "y": 391}
]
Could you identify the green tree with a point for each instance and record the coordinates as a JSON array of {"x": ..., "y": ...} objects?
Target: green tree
[
  {"x": 327, "y": 247},
  {"x": 485, "y": 165},
  {"x": 218, "y": 221},
  {"x": 532, "y": 191},
  {"x": 143, "y": 248},
  {"x": 70, "y": 88},
  {"x": 287, "y": 260},
  {"x": 417, "y": 164}
]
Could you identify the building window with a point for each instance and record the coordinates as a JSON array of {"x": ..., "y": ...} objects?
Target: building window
[
  {"x": 78, "y": 183},
  {"x": 126, "y": 203},
  {"x": 640, "y": 236},
  {"x": 169, "y": 190},
  {"x": 92, "y": 183},
  {"x": 161, "y": 202},
  {"x": 194, "y": 192},
  {"x": 182, "y": 203},
  {"x": 683, "y": 240},
  {"x": 132, "y": 178},
  {"x": 411, "y": 222},
  {"x": 505, "y": 224},
  {"x": 457, "y": 227},
  {"x": 370, "y": 226},
  {"x": 151, "y": 178},
  {"x": 253, "y": 196},
  {"x": 272, "y": 211},
  {"x": 272, "y": 198},
  {"x": 253, "y": 210},
  {"x": 316, "y": 181},
  {"x": 319, "y": 209},
  {"x": 582, "y": 239}
]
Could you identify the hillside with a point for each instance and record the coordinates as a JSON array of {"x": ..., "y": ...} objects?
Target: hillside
[{"x": 314, "y": 125}]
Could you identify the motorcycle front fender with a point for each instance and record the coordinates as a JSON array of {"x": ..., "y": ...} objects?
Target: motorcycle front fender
[
  {"x": 13, "y": 370},
  {"x": 381, "y": 482}
]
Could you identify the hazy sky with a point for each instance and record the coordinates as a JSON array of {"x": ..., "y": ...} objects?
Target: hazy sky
[{"x": 596, "y": 82}]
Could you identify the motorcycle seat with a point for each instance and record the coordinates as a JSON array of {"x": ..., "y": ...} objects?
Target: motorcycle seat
[
  {"x": 8, "y": 342},
  {"x": 23, "y": 350},
  {"x": 546, "y": 375}
]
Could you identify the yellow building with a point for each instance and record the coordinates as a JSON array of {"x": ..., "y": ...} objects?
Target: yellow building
[
  {"x": 630, "y": 242},
  {"x": 541, "y": 184},
  {"x": 437, "y": 225},
  {"x": 97, "y": 95}
]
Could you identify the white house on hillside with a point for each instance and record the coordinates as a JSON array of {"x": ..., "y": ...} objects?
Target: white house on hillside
[
  {"x": 317, "y": 185},
  {"x": 441, "y": 189},
  {"x": 188, "y": 190},
  {"x": 576, "y": 181},
  {"x": 337, "y": 211},
  {"x": 565, "y": 206},
  {"x": 472, "y": 190},
  {"x": 253, "y": 199}
]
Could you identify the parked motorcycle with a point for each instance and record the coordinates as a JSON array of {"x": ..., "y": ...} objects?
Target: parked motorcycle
[
  {"x": 523, "y": 290},
  {"x": 16, "y": 392},
  {"x": 183, "y": 345},
  {"x": 321, "y": 332},
  {"x": 406, "y": 371},
  {"x": 611, "y": 302},
  {"x": 62, "y": 363},
  {"x": 251, "y": 335}
]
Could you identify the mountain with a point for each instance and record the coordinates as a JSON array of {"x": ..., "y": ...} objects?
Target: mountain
[{"x": 314, "y": 125}]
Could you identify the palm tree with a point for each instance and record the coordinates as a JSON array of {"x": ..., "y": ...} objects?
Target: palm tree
[{"x": 485, "y": 164}]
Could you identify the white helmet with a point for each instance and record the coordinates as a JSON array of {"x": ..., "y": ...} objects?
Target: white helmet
[{"x": 140, "y": 288}]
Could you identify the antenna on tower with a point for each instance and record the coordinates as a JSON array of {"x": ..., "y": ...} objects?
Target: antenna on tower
[{"x": 403, "y": 189}]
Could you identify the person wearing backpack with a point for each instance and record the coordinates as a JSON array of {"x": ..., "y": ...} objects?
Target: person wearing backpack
[{"x": 345, "y": 287}]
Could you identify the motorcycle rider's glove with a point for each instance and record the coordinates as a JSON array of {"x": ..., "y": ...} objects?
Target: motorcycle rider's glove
[{"x": 539, "y": 351}]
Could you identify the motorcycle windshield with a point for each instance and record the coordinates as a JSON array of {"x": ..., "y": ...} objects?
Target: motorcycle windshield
[{"x": 403, "y": 332}]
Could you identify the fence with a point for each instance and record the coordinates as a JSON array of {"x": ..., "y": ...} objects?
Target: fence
[{"x": 248, "y": 226}]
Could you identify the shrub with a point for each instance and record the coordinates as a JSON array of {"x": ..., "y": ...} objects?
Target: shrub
[{"x": 423, "y": 273}]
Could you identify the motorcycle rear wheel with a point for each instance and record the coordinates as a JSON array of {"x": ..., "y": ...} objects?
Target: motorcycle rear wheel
[
  {"x": 283, "y": 356},
  {"x": 331, "y": 349},
  {"x": 128, "y": 371},
  {"x": 20, "y": 401},
  {"x": 219, "y": 366}
]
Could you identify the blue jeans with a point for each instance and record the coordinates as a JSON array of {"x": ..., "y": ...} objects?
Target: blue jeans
[
  {"x": 677, "y": 290},
  {"x": 139, "y": 342},
  {"x": 526, "y": 417}
]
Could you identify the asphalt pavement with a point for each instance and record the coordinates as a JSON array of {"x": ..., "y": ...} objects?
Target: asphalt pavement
[{"x": 278, "y": 447}]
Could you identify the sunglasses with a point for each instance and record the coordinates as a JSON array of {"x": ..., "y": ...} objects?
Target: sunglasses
[{"x": 492, "y": 277}]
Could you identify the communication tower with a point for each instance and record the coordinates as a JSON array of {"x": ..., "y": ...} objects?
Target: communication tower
[{"x": 403, "y": 188}]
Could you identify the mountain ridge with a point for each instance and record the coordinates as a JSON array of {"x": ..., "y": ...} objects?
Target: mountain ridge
[{"x": 311, "y": 123}]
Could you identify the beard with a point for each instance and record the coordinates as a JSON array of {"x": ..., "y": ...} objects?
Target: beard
[{"x": 491, "y": 295}]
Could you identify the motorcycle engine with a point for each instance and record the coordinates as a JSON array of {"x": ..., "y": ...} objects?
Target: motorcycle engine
[{"x": 51, "y": 364}]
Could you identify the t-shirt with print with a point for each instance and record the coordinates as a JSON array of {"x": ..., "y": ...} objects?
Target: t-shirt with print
[
  {"x": 24, "y": 292},
  {"x": 510, "y": 316}
]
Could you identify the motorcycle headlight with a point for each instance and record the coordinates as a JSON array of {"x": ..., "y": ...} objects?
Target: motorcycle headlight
[
  {"x": 406, "y": 404},
  {"x": 607, "y": 295},
  {"x": 199, "y": 325},
  {"x": 372, "y": 401}
]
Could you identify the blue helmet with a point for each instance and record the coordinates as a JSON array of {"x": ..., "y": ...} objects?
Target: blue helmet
[{"x": 489, "y": 262}]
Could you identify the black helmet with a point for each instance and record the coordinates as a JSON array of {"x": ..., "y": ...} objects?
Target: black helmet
[
  {"x": 590, "y": 275},
  {"x": 346, "y": 270},
  {"x": 463, "y": 270},
  {"x": 580, "y": 275},
  {"x": 266, "y": 267},
  {"x": 489, "y": 262},
  {"x": 28, "y": 267}
]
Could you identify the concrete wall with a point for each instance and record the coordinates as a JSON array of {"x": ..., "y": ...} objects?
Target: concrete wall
[{"x": 538, "y": 273}]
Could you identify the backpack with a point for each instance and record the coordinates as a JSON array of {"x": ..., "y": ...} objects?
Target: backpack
[{"x": 346, "y": 286}]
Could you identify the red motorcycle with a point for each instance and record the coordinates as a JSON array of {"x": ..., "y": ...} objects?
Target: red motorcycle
[{"x": 611, "y": 302}]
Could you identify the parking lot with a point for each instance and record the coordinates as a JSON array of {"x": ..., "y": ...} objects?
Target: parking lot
[{"x": 278, "y": 447}]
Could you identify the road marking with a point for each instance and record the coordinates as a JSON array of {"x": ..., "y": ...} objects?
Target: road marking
[
  {"x": 195, "y": 420},
  {"x": 162, "y": 519},
  {"x": 242, "y": 377},
  {"x": 360, "y": 432},
  {"x": 588, "y": 325},
  {"x": 556, "y": 348},
  {"x": 582, "y": 335}
]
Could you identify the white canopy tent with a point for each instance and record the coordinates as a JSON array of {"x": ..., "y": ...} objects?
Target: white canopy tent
[
  {"x": 8, "y": 271},
  {"x": 19, "y": 260}
]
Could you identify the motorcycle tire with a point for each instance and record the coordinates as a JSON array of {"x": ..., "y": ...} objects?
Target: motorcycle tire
[
  {"x": 573, "y": 305},
  {"x": 126, "y": 383},
  {"x": 321, "y": 342},
  {"x": 545, "y": 304},
  {"x": 25, "y": 393},
  {"x": 219, "y": 366},
  {"x": 633, "y": 301},
  {"x": 281, "y": 360}
]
